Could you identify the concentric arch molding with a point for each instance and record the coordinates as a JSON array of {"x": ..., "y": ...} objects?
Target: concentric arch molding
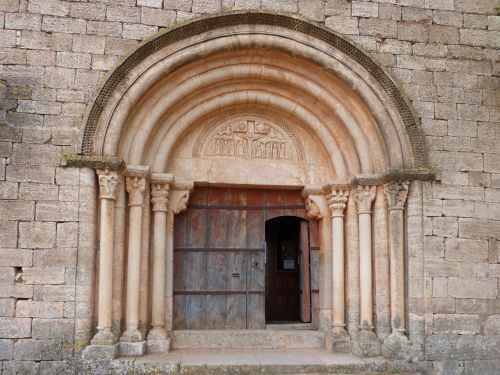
[{"x": 222, "y": 20}]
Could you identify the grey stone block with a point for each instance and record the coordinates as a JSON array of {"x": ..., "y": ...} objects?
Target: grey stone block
[{"x": 132, "y": 348}]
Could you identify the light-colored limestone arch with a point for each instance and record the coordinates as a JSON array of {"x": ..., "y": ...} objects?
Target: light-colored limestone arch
[{"x": 328, "y": 90}]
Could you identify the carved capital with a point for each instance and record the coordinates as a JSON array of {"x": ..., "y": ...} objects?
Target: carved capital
[
  {"x": 159, "y": 197},
  {"x": 396, "y": 193},
  {"x": 160, "y": 187},
  {"x": 312, "y": 208},
  {"x": 108, "y": 183},
  {"x": 365, "y": 194},
  {"x": 337, "y": 201},
  {"x": 135, "y": 188},
  {"x": 180, "y": 196}
]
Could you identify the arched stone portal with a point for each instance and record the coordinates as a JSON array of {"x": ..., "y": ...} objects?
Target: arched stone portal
[{"x": 254, "y": 100}]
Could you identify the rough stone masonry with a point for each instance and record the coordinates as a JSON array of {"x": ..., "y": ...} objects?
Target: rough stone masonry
[{"x": 443, "y": 54}]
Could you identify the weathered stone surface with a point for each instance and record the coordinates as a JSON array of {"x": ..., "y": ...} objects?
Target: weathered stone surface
[
  {"x": 473, "y": 288},
  {"x": 461, "y": 324},
  {"x": 37, "y": 235},
  {"x": 15, "y": 327},
  {"x": 449, "y": 346},
  {"x": 43, "y": 275},
  {"x": 52, "y": 328}
]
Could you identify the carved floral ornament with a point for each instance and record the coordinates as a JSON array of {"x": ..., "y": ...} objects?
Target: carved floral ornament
[
  {"x": 396, "y": 193},
  {"x": 108, "y": 183}
]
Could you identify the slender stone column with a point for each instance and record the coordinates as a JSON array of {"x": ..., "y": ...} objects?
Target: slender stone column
[
  {"x": 368, "y": 344},
  {"x": 157, "y": 337},
  {"x": 337, "y": 204},
  {"x": 136, "y": 185},
  {"x": 396, "y": 193},
  {"x": 108, "y": 183},
  {"x": 364, "y": 198}
]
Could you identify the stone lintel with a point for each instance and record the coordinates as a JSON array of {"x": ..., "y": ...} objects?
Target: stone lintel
[
  {"x": 394, "y": 175},
  {"x": 114, "y": 163},
  {"x": 137, "y": 170},
  {"x": 161, "y": 178}
]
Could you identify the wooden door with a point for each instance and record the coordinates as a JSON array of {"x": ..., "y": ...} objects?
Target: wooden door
[
  {"x": 219, "y": 264},
  {"x": 305, "y": 273}
]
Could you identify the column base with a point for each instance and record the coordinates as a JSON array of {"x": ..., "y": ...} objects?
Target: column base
[
  {"x": 131, "y": 335},
  {"x": 107, "y": 352},
  {"x": 158, "y": 346},
  {"x": 397, "y": 346},
  {"x": 340, "y": 340},
  {"x": 132, "y": 349},
  {"x": 103, "y": 337},
  {"x": 367, "y": 344}
]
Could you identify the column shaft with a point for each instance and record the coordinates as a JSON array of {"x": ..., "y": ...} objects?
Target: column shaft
[
  {"x": 136, "y": 186},
  {"x": 169, "y": 293},
  {"x": 364, "y": 198},
  {"x": 108, "y": 182},
  {"x": 396, "y": 193}
]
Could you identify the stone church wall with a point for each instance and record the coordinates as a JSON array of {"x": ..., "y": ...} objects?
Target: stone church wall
[{"x": 444, "y": 55}]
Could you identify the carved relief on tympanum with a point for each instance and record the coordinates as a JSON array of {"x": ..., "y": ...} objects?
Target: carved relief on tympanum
[{"x": 249, "y": 136}]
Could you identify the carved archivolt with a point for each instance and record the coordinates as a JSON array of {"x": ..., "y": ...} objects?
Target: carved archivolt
[{"x": 249, "y": 135}]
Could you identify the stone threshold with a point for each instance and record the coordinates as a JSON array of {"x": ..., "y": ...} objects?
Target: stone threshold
[{"x": 249, "y": 361}]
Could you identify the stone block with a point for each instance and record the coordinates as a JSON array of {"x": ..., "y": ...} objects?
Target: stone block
[
  {"x": 462, "y": 324},
  {"x": 132, "y": 349},
  {"x": 458, "y": 208},
  {"x": 164, "y": 18},
  {"x": 449, "y": 347},
  {"x": 53, "y": 328},
  {"x": 73, "y": 60},
  {"x": 6, "y": 349},
  {"x": 337, "y": 8},
  {"x": 123, "y": 14},
  {"x": 103, "y": 63},
  {"x": 466, "y": 287},
  {"x": 378, "y": 28},
  {"x": 7, "y": 307},
  {"x": 9, "y": 133},
  {"x": 67, "y": 176},
  {"x": 41, "y": 58},
  {"x": 91, "y": 11},
  {"x": 101, "y": 28},
  {"x": 484, "y": 367},
  {"x": 492, "y": 325},
  {"x": 36, "y": 191},
  {"x": 23, "y": 21},
  {"x": 37, "y": 235},
  {"x": 9, "y": 6},
  {"x": 20, "y": 367},
  {"x": 363, "y": 9},
  {"x": 478, "y": 228},
  {"x": 67, "y": 235},
  {"x": 158, "y": 346},
  {"x": 28, "y": 350},
  {"x": 447, "y": 18},
  {"x": 138, "y": 31},
  {"x": 480, "y": 38},
  {"x": 56, "y": 211},
  {"x": 434, "y": 246},
  {"x": 471, "y": 306},
  {"x": 43, "y": 275},
  {"x": 487, "y": 347},
  {"x": 282, "y": 5},
  {"x": 39, "y": 309},
  {"x": 16, "y": 291},
  {"x": 443, "y": 34},
  {"x": 46, "y": 41},
  {"x": 444, "y": 226},
  {"x": 8, "y": 190},
  {"x": 467, "y": 250},
  {"x": 99, "y": 352},
  {"x": 59, "y": 78},
  {"x": 346, "y": 25},
  {"x": 50, "y": 7},
  {"x": 58, "y": 293},
  {"x": 15, "y": 328},
  {"x": 15, "y": 210},
  {"x": 443, "y": 268},
  {"x": 442, "y": 305},
  {"x": 85, "y": 79},
  {"x": 63, "y": 25},
  {"x": 492, "y": 163},
  {"x": 412, "y": 32},
  {"x": 440, "y": 287}
]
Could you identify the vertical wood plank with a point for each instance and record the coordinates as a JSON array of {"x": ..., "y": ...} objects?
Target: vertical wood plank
[{"x": 305, "y": 271}]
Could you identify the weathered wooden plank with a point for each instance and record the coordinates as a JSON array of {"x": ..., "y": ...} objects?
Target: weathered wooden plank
[
  {"x": 236, "y": 312},
  {"x": 179, "y": 312},
  {"x": 256, "y": 317},
  {"x": 216, "y": 311},
  {"x": 273, "y": 198},
  {"x": 195, "y": 312}
]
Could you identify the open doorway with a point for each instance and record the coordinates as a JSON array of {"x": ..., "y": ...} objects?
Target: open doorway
[{"x": 288, "y": 280}]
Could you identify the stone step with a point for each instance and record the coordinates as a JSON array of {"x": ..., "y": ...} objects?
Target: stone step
[
  {"x": 248, "y": 339},
  {"x": 250, "y": 361}
]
